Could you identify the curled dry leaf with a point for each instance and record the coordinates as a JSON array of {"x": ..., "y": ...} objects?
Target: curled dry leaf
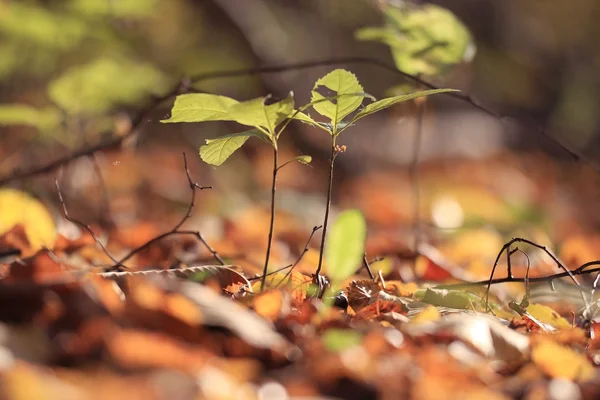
[
  {"x": 221, "y": 311},
  {"x": 485, "y": 333},
  {"x": 229, "y": 279}
]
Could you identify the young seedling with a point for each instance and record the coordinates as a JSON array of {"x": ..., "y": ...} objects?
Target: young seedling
[
  {"x": 345, "y": 87},
  {"x": 266, "y": 122}
]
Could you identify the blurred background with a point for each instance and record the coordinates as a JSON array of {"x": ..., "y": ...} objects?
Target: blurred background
[{"x": 74, "y": 73}]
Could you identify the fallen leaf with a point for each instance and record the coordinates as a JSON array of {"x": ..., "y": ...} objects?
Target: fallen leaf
[
  {"x": 559, "y": 361},
  {"x": 18, "y": 207},
  {"x": 272, "y": 304}
]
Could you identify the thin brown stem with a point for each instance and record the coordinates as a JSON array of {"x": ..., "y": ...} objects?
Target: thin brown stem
[
  {"x": 272, "y": 224},
  {"x": 82, "y": 225},
  {"x": 304, "y": 251},
  {"x": 413, "y": 172},
  {"x": 328, "y": 205}
]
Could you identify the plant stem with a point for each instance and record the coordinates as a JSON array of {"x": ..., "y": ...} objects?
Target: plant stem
[
  {"x": 328, "y": 206},
  {"x": 413, "y": 172},
  {"x": 272, "y": 226}
]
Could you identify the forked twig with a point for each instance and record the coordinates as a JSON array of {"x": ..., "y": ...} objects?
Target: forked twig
[
  {"x": 304, "y": 251},
  {"x": 176, "y": 229},
  {"x": 81, "y": 224},
  {"x": 509, "y": 272}
]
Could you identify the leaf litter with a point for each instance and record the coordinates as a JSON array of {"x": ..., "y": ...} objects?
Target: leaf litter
[{"x": 171, "y": 323}]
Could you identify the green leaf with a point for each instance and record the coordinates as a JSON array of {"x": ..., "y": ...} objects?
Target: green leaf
[
  {"x": 341, "y": 82},
  {"x": 255, "y": 113},
  {"x": 424, "y": 40},
  {"x": 201, "y": 107},
  {"x": 390, "y": 101},
  {"x": 448, "y": 298},
  {"x": 336, "y": 340},
  {"x": 301, "y": 159},
  {"x": 44, "y": 119},
  {"x": 345, "y": 246},
  {"x": 121, "y": 8},
  {"x": 216, "y": 151},
  {"x": 104, "y": 83}
]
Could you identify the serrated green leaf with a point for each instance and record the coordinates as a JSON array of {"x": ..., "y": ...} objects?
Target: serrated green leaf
[
  {"x": 201, "y": 107},
  {"x": 343, "y": 83},
  {"x": 216, "y": 151},
  {"x": 336, "y": 340},
  {"x": 255, "y": 113},
  {"x": 345, "y": 245},
  {"x": 390, "y": 101}
]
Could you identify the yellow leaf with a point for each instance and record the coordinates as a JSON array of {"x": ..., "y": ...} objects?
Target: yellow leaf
[
  {"x": 558, "y": 361},
  {"x": 429, "y": 314},
  {"x": 547, "y": 315},
  {"x": 18, "y": 207}
]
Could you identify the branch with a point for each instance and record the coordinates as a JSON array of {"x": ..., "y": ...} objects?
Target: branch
[
  {"x": 176, "y": 229},
  {"x": 579, "y": 271},
  {"x": 183, "y": 87},
  {"x": 82, "y": 225}
]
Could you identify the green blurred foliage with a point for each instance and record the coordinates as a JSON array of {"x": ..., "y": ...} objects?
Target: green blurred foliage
[
  {"x": 425, "y": 40},
  {"x": 77, "y": 62}
]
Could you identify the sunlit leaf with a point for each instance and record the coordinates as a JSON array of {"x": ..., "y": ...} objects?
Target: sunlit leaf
[
  {"x": 216, "y": 151},
  {"x": 201, "y": 107},
  {"x": 345, "y": 245},
  {"x": 427, "y": 40},
  {"x": 301, "y": 159},
  {"x": 547, "y": 315},
  {"x": 20, "y": 114},
  {"x": 340, "y": 82},
  {"x": 390, "y": 101},
  {"x": 100, "y": 85},
  {"x": 18, "y": 207},
  {"x": 255, "y": 113},
  {"x": 428, "y": 314},
  {"x": 336, "y": 340},
  {"x": 448, "y": 298},
  {"x": 121, "y": 8},
  {"x": 559, "y": 361}
]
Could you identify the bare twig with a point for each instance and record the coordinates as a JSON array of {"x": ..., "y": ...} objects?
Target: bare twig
[
  {"x": 106, "y": 208},
  {"x": 183, "y": 87},
  {"x": 368, "y": 267},
  {"x": 413, "y": 172},
  {"x": 545, "y": 250},
  {"x": 304, "y": 251},
  {"x": 176, "y": 229},
  {"x": 82, "y": 225}
]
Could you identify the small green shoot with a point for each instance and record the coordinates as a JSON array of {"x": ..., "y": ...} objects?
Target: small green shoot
[
  {"x": 265, "y": 119},
  {"x": 349, "y": 95}
]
